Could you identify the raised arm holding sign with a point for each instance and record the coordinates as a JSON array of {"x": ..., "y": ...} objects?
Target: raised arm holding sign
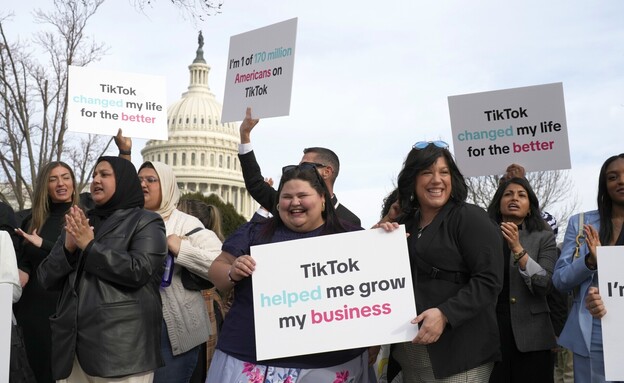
[{"x": 260, "y": 71}]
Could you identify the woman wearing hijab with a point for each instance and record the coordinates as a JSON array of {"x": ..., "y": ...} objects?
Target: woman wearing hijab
[
  {"x": 186, "y": 321},
  {"x": 108, "y": 265}
]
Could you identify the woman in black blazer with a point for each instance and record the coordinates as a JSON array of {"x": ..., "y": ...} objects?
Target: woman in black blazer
[
  {"x": 529, "y": 252},
  {"x": 454, "y": 251}
]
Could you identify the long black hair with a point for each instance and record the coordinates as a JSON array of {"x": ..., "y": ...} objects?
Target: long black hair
[
  {"x": 605, "y": 203},
  {"x": 533, "y": 221},
  {"x": 418, "y": 160},
  {"x": 309, "y": 174}
]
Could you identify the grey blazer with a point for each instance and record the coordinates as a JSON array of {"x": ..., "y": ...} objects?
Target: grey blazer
[{"x": 530, "y": 314}]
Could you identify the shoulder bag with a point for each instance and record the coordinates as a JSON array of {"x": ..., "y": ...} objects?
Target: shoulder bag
[
  {"x": 192, "y": 281},
  {"x": 20, "y": 371}
]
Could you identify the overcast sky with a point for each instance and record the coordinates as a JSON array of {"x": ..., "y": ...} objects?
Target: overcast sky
[{"x": 371, "y": 78}]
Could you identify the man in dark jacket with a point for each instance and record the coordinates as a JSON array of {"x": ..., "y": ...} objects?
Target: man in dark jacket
[{"x": 325, "y": 161}]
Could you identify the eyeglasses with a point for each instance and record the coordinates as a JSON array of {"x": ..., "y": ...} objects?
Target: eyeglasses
[
  {"x": 301, "y": 166},
  {"x": 423, "y": 144},
  {"x": 148, "y": 180}
]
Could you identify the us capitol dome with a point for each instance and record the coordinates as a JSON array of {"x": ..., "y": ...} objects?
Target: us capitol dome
[{"x": 202, "y": 150}]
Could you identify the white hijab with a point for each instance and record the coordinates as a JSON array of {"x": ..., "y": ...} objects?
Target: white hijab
[{"x": 170, "y": 194}]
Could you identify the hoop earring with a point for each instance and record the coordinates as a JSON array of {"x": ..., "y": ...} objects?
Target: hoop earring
[
  {"x": 323, "y": 206},
  {"x": 277, "y": 207}
]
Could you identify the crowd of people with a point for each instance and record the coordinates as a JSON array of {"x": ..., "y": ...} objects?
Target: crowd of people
[{"x": 498, "y": 300}]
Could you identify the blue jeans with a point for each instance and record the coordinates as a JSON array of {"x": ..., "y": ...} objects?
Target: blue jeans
[{"x": 179, "y": 368}]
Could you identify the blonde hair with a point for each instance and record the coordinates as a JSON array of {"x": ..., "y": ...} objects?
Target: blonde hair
[
  {"x": 41, "y": 198},
  {"x": 209, "y": 215}
]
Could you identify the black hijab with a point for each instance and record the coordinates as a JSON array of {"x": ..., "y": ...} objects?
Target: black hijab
[{"x": 128, "y": 192}]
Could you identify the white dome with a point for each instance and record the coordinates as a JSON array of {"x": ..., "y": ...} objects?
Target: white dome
[{"x": 202, "y": 151}]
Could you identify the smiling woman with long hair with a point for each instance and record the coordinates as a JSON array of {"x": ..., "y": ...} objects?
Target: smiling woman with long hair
[
  {"x": 54, "y": 193},
  {"x": 453, "y": 248}
]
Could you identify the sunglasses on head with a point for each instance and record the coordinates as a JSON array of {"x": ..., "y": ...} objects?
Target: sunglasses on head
[
  {"x": 301, "y": 166},
  {"x": 423, "y": 144}
]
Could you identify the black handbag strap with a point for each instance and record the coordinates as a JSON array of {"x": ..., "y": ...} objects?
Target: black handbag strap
[
  {"x": 195, "y": 230},
  {"x": 425, "y": 268}
]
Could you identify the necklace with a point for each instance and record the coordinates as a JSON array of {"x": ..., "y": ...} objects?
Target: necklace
[{"x": 423, "y": 226}]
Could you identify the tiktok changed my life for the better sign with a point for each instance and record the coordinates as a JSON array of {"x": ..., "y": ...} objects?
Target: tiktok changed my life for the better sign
[
  {"x": 332, "y": 292},
  {"x": 527, "y": 126},
  {"x": 102, "y": 101}
]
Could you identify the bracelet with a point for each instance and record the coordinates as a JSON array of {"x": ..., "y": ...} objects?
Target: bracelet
[
  {"x": 125, "y": 152},
  {"x": 230, "y": 278},
  {"x": 519, "y": 255}
]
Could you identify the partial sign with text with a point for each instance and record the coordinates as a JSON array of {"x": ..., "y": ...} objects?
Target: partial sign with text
[
  {"x": 332, "y": 292},
  {"x": 101, "y": 102},
  {"x": 527, "y": 126}
]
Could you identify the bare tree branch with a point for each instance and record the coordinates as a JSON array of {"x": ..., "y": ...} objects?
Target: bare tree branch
[
  {"x": 193, "y": 9},
  {"x": 33, "y": 98}
]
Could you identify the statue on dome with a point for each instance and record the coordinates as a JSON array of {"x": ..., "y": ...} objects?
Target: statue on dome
[{"x": 200, "y": 40}]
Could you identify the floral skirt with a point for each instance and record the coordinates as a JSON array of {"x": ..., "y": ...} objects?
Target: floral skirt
[{"x": 227, "y": 369}]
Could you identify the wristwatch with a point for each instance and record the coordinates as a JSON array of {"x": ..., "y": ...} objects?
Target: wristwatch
[{"x": 519, "y": 255}]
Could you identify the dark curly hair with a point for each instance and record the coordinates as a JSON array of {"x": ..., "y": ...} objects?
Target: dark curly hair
[{"x": 418, "y": 160}]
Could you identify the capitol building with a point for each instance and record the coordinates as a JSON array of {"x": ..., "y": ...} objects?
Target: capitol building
[{"x": 202, "y": 150}]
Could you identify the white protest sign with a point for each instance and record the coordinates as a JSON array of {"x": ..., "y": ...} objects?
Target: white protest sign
[
  {"x": 527, "y": 126},
  {"x": 260, "y": 72},
  {"x": 6, "y": 302},
  {"x": 332, "y": 292},
  {"x": 611, "y": 284},
  {"x": 101, "y": 102}
]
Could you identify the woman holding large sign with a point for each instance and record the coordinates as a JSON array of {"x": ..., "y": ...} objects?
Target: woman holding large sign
[
  {"x": 304, "y": 210},
  {"x": 458, "y": 272},
  {"x": 576, "y": 271}
]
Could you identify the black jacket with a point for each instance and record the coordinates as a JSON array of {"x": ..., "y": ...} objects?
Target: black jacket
[
  {"x": 109, "y": 313},
  {"x": 267, "y": 197},
  {"x": 462, "y": 240}
]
